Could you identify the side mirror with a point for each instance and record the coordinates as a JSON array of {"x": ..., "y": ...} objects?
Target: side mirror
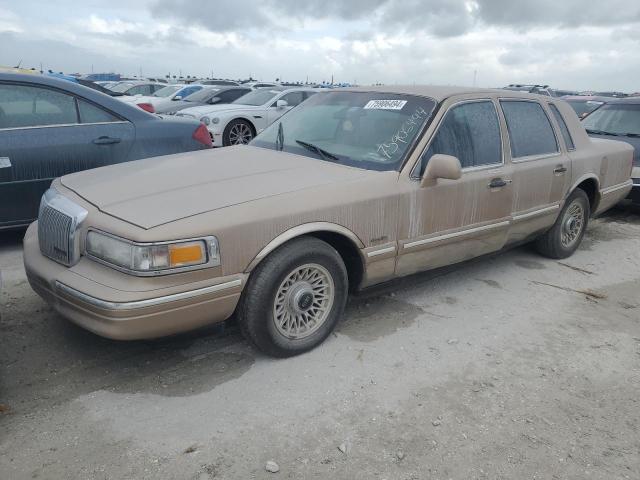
[
  {"x": 177, "y": 98},
  {"x": 441, "y": 166},
  {"x": 282, "y": 104},
  {"x": 213, "y": 100}
]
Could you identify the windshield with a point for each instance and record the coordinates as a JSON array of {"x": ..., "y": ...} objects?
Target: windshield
[
  {"x": 257, "y": 97},
  {"x": 202, "y": 95},
  {"x": 617, "y": 119},
  {"x": 123, "y": 86},
  {"x": 367, "y": 130},
  {"x": 166, "y": 91},
  {"x": 584, "y": 107}
]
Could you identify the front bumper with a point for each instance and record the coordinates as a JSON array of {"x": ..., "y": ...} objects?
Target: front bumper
[
  {"x": 216, "y": 136},
  {"x": 132, "y": 314}
]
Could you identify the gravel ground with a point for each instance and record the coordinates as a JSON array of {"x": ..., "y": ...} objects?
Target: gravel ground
[{"x": 508, "y": 367}]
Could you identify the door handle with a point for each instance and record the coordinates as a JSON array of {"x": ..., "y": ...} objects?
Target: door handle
[
  {"x": 104, "y": 140},
  {"x": 560, "y": 169},
  {"x": 498, "y": 183}
]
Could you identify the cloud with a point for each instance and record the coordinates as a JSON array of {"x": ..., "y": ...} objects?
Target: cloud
[{"x": 563, "y": 43}]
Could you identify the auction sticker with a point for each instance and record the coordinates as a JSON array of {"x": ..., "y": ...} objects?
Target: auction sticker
[
  {"x": 385, "y": 104},
  {"x": 5, "y": 162}
]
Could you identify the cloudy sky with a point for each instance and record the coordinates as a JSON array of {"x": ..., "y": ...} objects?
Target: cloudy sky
[{"x": 579, "y": 44}]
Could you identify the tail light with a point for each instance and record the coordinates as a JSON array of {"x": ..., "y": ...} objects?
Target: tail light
[
  {"x": 147, "y": 107},
  {"x": 201, "y": 134}
]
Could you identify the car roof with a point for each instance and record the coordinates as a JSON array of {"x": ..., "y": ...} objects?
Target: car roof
[
  {"x": 437, "y": 92},
  {"x": 128, "y": 111}
]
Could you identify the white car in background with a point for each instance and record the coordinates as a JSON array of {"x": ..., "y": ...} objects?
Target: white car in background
[
  {"x": 237, "y": 123},
  {"x": 161, "y": 98}
]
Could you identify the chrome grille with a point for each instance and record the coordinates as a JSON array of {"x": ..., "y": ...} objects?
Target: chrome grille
[
  {"x": 55, "y": 234},
  {"x": 58, "y": 222}
]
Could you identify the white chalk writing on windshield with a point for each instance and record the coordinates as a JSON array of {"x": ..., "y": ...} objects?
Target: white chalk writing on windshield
[{"x": 389, "y": 149}]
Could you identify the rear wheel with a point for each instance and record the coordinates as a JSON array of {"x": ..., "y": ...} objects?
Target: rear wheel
[
  {"x": 294, "y": 298},
  {"x": 238, "y": 132},
  {"x": 564, "y": 238}
]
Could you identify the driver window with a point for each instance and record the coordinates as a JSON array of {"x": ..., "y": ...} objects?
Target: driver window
[
  {"x": 293, "y": 99},
  {"x": 470, "y": 132},
  {"x": 24, "y": 106}
]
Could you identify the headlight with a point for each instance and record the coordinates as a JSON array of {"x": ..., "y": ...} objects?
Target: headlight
[
  {"x": 215, "y": 120},
  {"x": 153, "y": 258},
  {"x": 205, "y": 120}
]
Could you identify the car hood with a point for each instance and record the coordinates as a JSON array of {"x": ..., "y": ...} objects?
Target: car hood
[
  {"x": 634, "y": 142},
  {"x": 155, "y": 191},
  {"x": 215, "y": 109}
]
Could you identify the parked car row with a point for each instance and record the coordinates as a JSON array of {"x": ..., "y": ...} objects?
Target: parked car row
[{"x": 351, "y": 188}]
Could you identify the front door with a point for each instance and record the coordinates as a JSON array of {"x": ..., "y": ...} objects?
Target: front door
[{"x": 456, "y": 220}]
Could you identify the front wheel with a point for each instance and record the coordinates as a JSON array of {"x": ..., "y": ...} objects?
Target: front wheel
[
  {"x": 238, "y": 132},
  {"x": 564, "y": 238},
  {"x": 294, "y": 298}
]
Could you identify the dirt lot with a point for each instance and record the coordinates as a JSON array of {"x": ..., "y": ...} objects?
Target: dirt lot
[{"x": 509, "y": 367}]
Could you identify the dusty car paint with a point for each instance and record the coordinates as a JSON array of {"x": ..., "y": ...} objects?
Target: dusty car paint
[{"x": 253, "y": 200}]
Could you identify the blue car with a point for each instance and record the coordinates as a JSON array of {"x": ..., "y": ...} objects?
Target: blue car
[
  {"x": 50, "y": 127},
  {"x": 619, "y": 119}
]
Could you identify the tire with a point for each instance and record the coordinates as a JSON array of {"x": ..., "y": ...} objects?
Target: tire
[
  {"x": 564, "y": 238},
  {"x": 238, "y": 132},
  {"x": 280, "y": 296}
]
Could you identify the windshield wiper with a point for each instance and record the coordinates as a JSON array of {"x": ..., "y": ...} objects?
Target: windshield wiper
[
  {"x": 280, "y": 138},
  {"x": 314, "y": 148},
  {"x": 601, "y": 132},
  {"x": 634, "y": 135}
]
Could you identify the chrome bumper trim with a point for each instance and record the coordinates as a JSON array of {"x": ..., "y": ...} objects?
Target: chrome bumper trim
[{"x": 105, "y": 305}]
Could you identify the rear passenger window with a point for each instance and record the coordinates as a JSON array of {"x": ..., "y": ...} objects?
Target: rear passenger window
[
  {"x": 568, "y": 141},
  {"x": 470, "y": 132},
  {"x": 91, "y": 114},
  {"x": 529, "y": 128},
  {"x": 25, "y": 106}
]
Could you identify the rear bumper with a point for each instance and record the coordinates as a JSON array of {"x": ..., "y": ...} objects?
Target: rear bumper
[{"x": 128, "y": 315}]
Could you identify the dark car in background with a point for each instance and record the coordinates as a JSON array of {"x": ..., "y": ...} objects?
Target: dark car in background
[
  {"x": 209, "y": 95},
  {"x": 51, "y": 127},
  {"x": 585, "y": 104},
  {"x": 619, "y": 119}
]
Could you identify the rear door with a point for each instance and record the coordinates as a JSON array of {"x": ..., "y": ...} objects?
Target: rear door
[
  {"x": 46, "y": 133},
  {"x": 455, "y": 220},
  {"x": 541, "y": 168}
]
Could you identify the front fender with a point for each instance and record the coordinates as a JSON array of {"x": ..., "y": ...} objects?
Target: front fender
[{"x": 306, "y": 228}]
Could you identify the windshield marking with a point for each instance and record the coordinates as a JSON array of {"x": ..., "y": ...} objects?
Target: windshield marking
[
  {"x": 385, "y": 105},
  {"x": 391, "y": 148}
]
